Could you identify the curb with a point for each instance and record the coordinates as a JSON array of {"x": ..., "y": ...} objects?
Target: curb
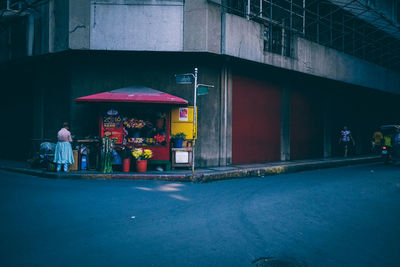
[
  {"x": 216, "y": 175},
  {"x": 280, "y": 169},
  {"x": 100, "y": 176}
]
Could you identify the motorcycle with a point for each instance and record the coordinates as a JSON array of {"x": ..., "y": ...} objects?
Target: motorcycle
[
  {"x": 386, "y": 154},
  {"x": 391, "y": 148}
]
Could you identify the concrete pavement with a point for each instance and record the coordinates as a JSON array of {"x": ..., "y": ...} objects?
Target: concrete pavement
[{"x": 201, "y": 174}]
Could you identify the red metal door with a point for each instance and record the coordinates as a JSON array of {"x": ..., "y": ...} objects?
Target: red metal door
[
  {"x": 256, "y": 121},
  {"x": 306, "y": 125}
]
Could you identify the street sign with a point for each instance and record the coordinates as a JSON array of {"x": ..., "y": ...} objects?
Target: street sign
[
  {"x": 202, "y": 90},
  {"x": 184, "y": 78}
]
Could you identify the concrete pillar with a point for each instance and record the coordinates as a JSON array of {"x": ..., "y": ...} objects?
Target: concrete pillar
[
  {"x": 30, "y": 32},
  {"x": 52, "y": 26},
  {"x": 225, "y": 144},
  {"x": 285, "y": 124},
  {"x": 223, "y": 31},
  {"x": 327, "y": 127}
]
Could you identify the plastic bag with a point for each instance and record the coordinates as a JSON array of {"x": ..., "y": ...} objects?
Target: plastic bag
[
  {"x": 84, "y": 150},
  {"x": 116, "y": 158}
]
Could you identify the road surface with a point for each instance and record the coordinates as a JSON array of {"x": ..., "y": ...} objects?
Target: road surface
[{"x": 347, "y": 216}]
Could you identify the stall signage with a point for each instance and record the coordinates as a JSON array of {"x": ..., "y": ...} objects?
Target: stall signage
[
  {"x": 202, "y": 90},
  {"x": 181, "y": 157},
  {"x": 112, "y": 112},
  {"x": 112, "y": 126},
  {"x": 183, "y": 114},
  {"x": 112, "y": 121},
  {"x": 184, "y": 79}
]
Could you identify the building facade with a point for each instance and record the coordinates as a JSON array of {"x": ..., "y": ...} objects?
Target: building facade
[{"x": 288, "y": 74}]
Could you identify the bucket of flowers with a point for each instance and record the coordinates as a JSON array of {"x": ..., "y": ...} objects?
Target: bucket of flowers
[
  {"x": 141, "y": 155},
  {"x": 126, "y": 158}
]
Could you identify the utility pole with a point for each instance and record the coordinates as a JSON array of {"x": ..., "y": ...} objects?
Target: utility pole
[
  {"x": 187, "y": 79},
  {"x": 194, "y": 116}
]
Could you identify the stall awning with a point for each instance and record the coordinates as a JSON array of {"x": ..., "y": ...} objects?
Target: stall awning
[{"x": 134, "y": 94}]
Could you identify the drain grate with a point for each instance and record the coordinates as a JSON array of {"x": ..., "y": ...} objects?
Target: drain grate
[{"x": 275, "y": 262}]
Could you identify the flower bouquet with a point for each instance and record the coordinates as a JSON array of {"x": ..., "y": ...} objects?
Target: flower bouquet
[
  {"x": 159, "y": 139},
  {"x": 134, "y": 124},
  {"x": 126, "y": 158},
  {"x": 141, "y": 156}
]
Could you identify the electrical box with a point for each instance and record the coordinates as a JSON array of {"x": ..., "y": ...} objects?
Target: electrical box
[{"x": 182, "y": 122}]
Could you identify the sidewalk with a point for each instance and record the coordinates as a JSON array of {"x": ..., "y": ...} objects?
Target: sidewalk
[{"x": 201, "y": 174}]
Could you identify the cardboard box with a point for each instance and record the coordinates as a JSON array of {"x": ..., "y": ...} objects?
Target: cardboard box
[{"x": 74, "y": 166}]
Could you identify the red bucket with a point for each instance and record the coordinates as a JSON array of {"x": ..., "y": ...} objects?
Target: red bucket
[
  {"x": 141, "y": 165},
  {"x": 126, "y": 165}
]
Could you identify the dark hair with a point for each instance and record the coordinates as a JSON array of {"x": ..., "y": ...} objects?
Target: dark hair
[{"x": 65, "y": 124}]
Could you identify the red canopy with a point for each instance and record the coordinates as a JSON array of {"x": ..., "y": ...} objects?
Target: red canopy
[{"x": 135, "y": 94}]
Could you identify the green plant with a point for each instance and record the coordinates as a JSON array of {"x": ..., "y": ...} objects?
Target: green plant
[{"x": 179, "y": 135}]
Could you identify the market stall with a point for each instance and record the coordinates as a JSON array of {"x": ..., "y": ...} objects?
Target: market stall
[{"x": 137, "y": 117}]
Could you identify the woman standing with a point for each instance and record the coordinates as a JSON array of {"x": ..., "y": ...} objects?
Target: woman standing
[{"x": 63, "y": 154}]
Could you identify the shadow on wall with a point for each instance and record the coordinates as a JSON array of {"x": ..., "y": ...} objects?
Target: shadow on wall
[{"x": 17, "y": 112}]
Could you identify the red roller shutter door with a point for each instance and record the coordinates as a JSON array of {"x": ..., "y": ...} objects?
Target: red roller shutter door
[
  {"x": 306, "y": 125},
  {"x": 256, "y": 121}
]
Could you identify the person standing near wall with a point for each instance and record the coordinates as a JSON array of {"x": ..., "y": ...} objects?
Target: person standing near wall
[
  {"x": 396, "y": 145},
  {"x": 377, "y": 138},
  {"x": 63, "y": 154},
  {"x": 345, "y": 139}
]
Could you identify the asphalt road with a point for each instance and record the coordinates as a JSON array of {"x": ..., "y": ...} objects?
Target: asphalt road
[{"x": 348, "y": 216}]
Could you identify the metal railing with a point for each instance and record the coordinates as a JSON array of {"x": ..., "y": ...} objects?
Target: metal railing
[{"x": 342, "y": 27}]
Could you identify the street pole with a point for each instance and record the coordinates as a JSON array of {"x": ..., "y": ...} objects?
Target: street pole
[
  {"x": 194, "y": 117},
  {"x": 187, "y": 79}
]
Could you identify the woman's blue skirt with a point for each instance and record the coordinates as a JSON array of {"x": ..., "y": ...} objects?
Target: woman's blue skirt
[{"x": 63, "y": 154}]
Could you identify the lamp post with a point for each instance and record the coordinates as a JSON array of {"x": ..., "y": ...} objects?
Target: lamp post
[
  {"x": 194, "y": 116},
  {"x": 187, "y": 79}
]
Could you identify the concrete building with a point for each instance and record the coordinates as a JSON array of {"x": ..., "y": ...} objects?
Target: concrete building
[{"x": 288, "y": 74}]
